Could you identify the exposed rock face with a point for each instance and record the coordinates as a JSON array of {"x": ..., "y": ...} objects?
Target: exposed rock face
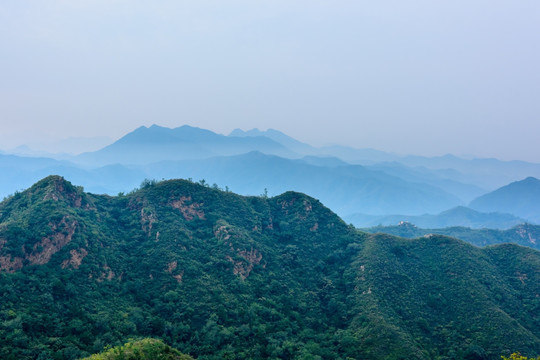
[
  {"x": 188, "y": 208},
  {"x": 243, "y": 267},
  {"x": 285, "y": 205},
  {"x": 107, "y": 273},
  {"x": 524, "y": 233},
  {"x": 76, "y": 259},
  {"x": 8, "y": 264},
  {"x": 148, "y": 219},
  {"x": 43, "y": 250},
  {"x": 172, "y": 266}
]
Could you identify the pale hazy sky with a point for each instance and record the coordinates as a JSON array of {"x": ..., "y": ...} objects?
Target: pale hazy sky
[{"x": 426, "y": 77}]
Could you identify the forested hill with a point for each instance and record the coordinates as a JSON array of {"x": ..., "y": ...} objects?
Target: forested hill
[
  {"x": 523, "y": 234},
  {"x": 217, "y": 275}
]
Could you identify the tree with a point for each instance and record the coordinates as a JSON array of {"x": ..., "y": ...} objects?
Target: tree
[{"x": 518, "y": 356}]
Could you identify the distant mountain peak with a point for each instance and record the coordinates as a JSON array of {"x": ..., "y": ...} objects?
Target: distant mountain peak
[
  {"x": 528, "y": 183},
  {"x": 520, "y": 198},
  {"x": 256, "y": 132},
  {"x": 156, "y": 143},
  {"x": 531, "y": 180}
]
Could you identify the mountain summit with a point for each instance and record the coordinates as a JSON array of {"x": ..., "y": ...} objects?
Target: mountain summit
[
  {"x": 521, "y": 198},
  {"x": 156, "y": 143}
]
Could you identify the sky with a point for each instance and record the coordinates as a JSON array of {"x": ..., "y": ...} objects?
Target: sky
[{"x": 424, "y": 77}]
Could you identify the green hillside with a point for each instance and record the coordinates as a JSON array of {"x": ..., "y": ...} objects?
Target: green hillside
[
  {"x": 145, "y": 349},
  {"x": 217, "y": 275},
  {"x": 523, "y": 234}
]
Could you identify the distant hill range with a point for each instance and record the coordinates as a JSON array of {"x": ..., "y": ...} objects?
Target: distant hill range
[
  {"x": 461, "y": 215},
  {"x": 350, "y": 181},
  {"x": 521, "y": 198},
  {"x": 343, "y": 188},
  {"x": 523, "y": 234},
  {"x": 217, "y": 275},
  {"x": 155, "y": 143}
]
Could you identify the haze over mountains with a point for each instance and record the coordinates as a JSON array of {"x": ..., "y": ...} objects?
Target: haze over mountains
[
  {"x": 521, "y": 198},
  {"x": 361, "y": 185},
  {"x": 460, "y": 215}
]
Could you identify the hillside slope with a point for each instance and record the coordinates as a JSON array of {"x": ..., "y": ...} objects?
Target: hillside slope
[
  {"x": 521, "y": 198},
  {"x": 217, "y": 275},
  {"x": 522, "y": 234},
  {"x": 145, "y": 349}
]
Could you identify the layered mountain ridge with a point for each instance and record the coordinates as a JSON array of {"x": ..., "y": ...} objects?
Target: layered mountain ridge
[
  {"x": 520, "y": 197},
  {"x": 464, "y": 216},
  {"x": 155, "y": 143},
  {"x": 350, "y": 181},
  {"x": 522, "y": 234}
]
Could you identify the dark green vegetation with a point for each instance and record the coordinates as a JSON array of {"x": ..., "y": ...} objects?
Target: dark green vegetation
[
  {"x": 518, "y": 356},
  {"x": 145, "y": 349},
  {"x": 217, "y": 275},
  {"x": 524, "y": 234}
]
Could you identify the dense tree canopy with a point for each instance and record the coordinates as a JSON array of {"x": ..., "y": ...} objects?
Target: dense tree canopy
[{"x": 221, "y": 276}]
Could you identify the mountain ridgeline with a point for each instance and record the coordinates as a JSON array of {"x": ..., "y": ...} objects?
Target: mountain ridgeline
[
  {"x": 520, "y": 198},
  {"x": 464, "y": 216},
  {"x": 522, "y": 234},
  {"x": 363, "y": 185},
  {"x": 146, "y": 145},
  {"x": 218, "y": 275}
]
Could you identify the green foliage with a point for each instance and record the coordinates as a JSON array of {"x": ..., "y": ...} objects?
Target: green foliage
[
  {"x": 145, "y": 349},
  {"x": 218, "y": 276},
  {"x": 518, "y": 356},
  {"x": 524, "y": 234},
  {"x": 146, "y": 183}
]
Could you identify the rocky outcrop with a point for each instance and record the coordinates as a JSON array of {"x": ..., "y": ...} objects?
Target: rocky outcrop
[
  {"x": 62, "y": 234},
  {"x": 188, "y": 208}
]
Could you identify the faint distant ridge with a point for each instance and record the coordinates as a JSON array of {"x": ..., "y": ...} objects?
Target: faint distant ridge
[
  {"x": 345, "y": 153},
  {"x": 522, "y": 234},
  {"x": 156, "y": 143},
  {"x": 457, "y": 216},
  {"x": 277, "y": 136},
  {"x": 248, "y": 162},
  {"x": 484, "y": 172},
  {"x": 63, "y": 149},
  {"x": 346, "y": 189},
  {"x": 521, "y": 198}
]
